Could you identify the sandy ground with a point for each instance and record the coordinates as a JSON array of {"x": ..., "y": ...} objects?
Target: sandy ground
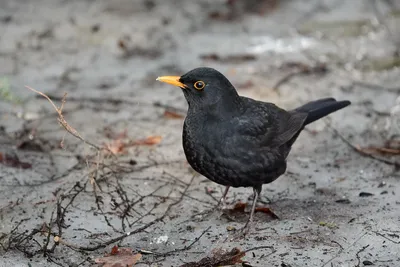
[{"x": 336, "y": 206}]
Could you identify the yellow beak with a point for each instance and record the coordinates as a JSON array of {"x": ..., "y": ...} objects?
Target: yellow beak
[{"x": 174, "y": 80}]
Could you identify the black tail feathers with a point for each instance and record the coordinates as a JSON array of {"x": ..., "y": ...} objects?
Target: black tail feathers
[{"x": 321, "y": 108}]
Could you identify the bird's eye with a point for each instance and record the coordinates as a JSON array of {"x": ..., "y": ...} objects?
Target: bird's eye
[{"x": 199, "y": 85}]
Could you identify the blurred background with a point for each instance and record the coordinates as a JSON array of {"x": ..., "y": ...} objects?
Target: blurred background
[{"x": 107, "y": 54}]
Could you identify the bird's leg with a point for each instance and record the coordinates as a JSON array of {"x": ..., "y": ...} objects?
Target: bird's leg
[
  {"x": 257, "y": 191},
  {"x": 222, "y": 202},
  {"x": 220, "y": 206},
  {"x": 267, "y": 201}
]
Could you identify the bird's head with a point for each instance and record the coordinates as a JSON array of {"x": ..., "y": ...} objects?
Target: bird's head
[{"x": 204, "y": 87}]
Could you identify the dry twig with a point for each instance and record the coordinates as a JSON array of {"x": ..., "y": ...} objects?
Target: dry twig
[
  {"x": 365, "y": 153},
  {"x": 62, "y": 120}
]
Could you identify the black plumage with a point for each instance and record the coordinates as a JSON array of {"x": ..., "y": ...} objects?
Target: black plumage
[{"x": 238, "y": 141}]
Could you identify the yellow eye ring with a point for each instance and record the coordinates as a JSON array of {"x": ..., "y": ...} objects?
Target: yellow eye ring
[{"x": 199, "y": 85}]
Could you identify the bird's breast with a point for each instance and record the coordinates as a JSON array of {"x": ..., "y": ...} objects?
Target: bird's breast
[
  {"x": 202, "y": 145},
  {"x": 228, "y": 158}
]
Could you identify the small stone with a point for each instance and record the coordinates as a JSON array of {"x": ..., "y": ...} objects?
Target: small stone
[
  {"x": 230, "y": 228},
  {"x": 367, "y": 263},
  {"x": 365, "y": 194},
  {"x": 95, "y": 28},
  {"x": 6, "y": 19},
  {"x": 382, "y": 184},
  {"x": 343, "y": 201}
]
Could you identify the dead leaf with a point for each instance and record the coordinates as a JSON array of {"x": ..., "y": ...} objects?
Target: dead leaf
[
  {"x": 116, "y": 147},
  {"x": 12, "y": 160},
  {"x": 219, "y": 16},
  {"x": 219, "y": 257},
  {"x": 267, "y": 211},
  {"x": 239, "y": 207},
  {"x": 122, "y": 45},
  {"x": 172, "y": 115},
  {"x": 379, "y": 150},
  {"x": 119, "y": 147},
  {"x": 393, "y": 143},
  {"x": 149, "y": 141},
  {"x": 114, "y": 250},
  {"x": 212, "y": 57},
  {"x": 119, "y": 257}
]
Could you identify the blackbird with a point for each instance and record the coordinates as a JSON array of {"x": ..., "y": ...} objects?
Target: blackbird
[{"x": 238, "y": 141}]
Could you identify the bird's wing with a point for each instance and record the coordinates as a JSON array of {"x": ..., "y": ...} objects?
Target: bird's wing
[
  {"x": 271, "y": 125},
  {"x": 286, "y": 128}
]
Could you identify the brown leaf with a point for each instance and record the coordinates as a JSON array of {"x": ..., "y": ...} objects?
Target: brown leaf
[
  {"x": 267, "y": 211},
  {"x": 393, "y": 143},
  {"x": 116, "y": 147},
  {"x": 12, "y": 160},
  {"x": 379, "y": 150},
  {"x": 122, "y": 45},
  {"x": 122, "y": 258},
  {"x": 239, "y": 207},
  {"x": 172, "y": 115},
  {"x": 119, "y": 147},
  {"x": 149, "y": 141},
  {"x": 212, "y": 57},
  {"x": 114, "y": 250},
  {"x": 220, "y": 257},
  {"x": 216, "y": 15}
]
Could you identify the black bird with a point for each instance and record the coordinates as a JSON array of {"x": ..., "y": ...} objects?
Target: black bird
[{"x": 238, "y": 141}]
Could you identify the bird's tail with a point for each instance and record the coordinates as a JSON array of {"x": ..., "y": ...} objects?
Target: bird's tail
[{"x": 321, "y": 108}]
